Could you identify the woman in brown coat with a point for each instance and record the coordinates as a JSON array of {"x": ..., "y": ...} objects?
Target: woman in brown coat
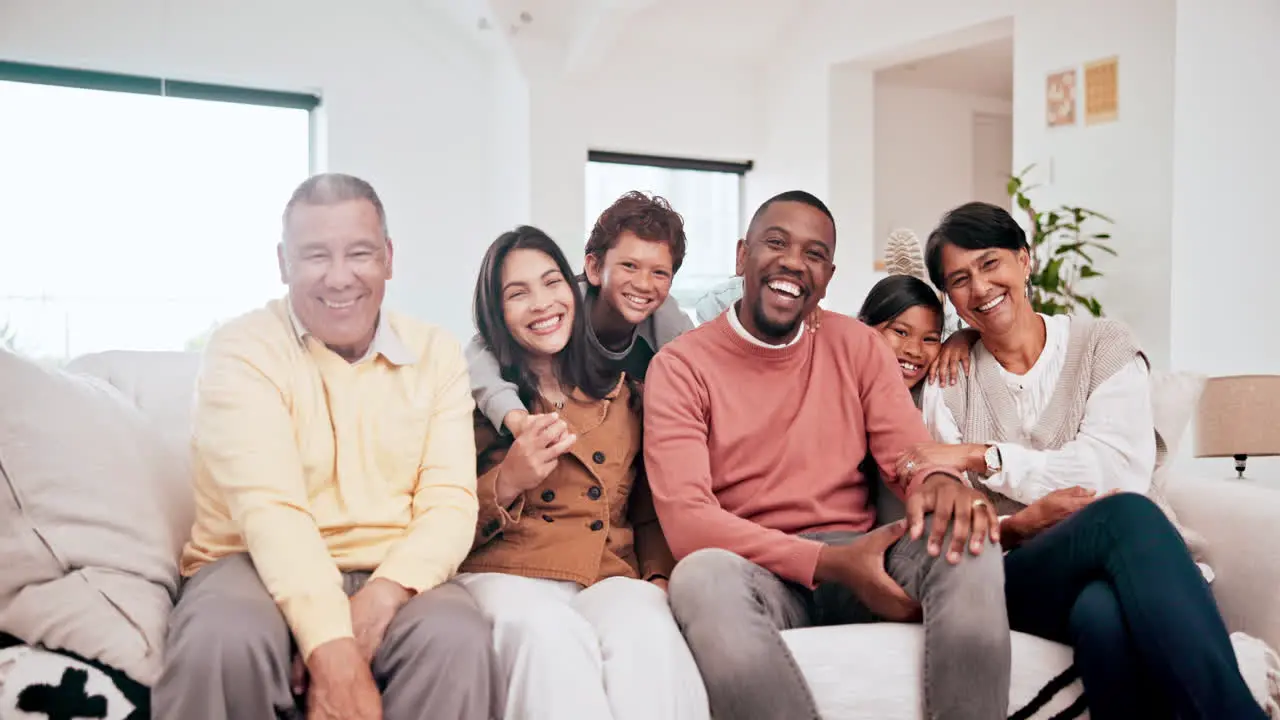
[{"x": 569, "y": 562}]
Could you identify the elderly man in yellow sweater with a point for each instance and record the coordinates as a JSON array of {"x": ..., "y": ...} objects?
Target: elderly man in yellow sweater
[{"x": 335, "y": 497}]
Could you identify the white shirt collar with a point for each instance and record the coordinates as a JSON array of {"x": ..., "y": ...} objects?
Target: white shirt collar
[
  {"x": 385, "y": 340},
  {"x": 736, "y": 324}
]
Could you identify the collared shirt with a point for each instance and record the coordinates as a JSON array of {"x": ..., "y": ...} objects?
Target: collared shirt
[
  {"x": 385, "y": 340},
  {"x": 719, "y": 298},
  {"x": 316, "y": 466}
]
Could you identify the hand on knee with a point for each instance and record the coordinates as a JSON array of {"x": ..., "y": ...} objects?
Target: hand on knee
[{"x": 962, "y": 519}]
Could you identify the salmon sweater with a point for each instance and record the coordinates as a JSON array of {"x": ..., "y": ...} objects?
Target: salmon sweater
[{"x": 747, "y": 447}]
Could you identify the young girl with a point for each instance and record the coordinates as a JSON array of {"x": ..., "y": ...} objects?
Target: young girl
[
  {"x": 633, "y": 253},
  {"x": 569, "y": 562},
  {"x": 908, "y": 314}
]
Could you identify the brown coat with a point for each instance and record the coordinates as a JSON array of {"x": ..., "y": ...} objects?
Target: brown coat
[{"x": 592, "y": 518}]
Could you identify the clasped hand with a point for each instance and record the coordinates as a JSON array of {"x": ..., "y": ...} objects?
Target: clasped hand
[
  {"x": 860, "y": 565},
  {"x": 535, "y": 453},
  {"x": 337, "y": 678}
]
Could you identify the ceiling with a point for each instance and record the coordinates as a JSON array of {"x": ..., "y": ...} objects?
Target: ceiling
[
  {"x": 731, "y": 31},
  {"x": 584, "y": 32},
  {"x": 985, "y": 69},
  {"x": 570, "y": 36}
]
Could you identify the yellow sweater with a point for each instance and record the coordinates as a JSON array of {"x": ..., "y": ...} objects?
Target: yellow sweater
[{"x": 314, "y": 465}]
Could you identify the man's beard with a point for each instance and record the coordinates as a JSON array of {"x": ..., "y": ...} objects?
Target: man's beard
[{"x": 776, "y": 331}]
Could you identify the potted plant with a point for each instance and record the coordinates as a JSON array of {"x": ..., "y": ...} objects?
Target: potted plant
[{"x": 1062, "y": 252}]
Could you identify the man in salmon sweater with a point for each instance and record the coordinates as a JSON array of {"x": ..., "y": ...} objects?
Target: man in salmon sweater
[{"x": 755, "y": 427}]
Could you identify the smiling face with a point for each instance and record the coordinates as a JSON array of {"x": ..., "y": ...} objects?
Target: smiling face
[
  {"x": 336, "y": 261},
  {"x": 986, "y": 286},
  {"x": 915, "y": 336},
  {"x": 537, "y": 302},
  {"x": 634, "y": 276},
  {"x": 785, "y": 264}
]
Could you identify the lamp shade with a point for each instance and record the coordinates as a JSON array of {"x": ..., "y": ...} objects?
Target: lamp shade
[{"x": 1239, "y": 415}]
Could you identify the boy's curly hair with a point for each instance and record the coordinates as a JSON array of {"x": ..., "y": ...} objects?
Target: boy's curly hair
[{"x": 650, "y": 218}]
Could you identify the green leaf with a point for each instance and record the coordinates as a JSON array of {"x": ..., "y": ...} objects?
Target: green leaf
[
  {"x": 1101, "y": 236},
  {"x": 1024, "y": 202},
  {"x": 1087, "y": 271},
  {"x": 1073, "y": 247},
  {"x": 1052, "y": 275}
]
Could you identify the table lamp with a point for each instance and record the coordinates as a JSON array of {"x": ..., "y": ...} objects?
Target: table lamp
[{"x": 1239, "y": 416}]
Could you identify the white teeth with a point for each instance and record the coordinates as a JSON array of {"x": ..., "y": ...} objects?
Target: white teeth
[
  {"x": 546, "y": 324},
  {"x": 908, "y": 366},
  {"x": 637, "y": 299},
  {"x": 784, "y": 286},
  {"x": 338, "y": 305},
  {"x": 992, "y": 304}
]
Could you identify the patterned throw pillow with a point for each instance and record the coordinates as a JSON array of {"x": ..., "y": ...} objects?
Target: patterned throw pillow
[{"x": 38, "y": 684}]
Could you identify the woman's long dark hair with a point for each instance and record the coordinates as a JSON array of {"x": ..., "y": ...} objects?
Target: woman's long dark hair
[
  {"x": 895, "y": 295},
  {"x": 576, "y": 366}
]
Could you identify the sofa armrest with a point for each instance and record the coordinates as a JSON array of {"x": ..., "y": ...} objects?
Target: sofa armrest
[{"x": 1240, "y": 521}]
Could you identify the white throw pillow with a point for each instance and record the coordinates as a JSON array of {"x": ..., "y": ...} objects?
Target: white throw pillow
[
  {"x": 94, "y": 508},
  {"x": 1174, "y": 396}
]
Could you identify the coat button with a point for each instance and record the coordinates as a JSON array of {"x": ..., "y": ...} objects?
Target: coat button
[
  {"x": 598, "y": 457},
  {"x": 594, "y": 492},
  {"x": 597, "y": 526},
  {"x": 548, "y": 495}
]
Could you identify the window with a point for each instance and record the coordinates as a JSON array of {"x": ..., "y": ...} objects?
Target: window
[
  {"x": 137, "y": 212},
  {"x": 707, "y": 194}
]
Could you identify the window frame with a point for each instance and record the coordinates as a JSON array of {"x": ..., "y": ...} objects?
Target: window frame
[
  {"x": 81, "y": 79},
  {"x": 671, "y": 162}
]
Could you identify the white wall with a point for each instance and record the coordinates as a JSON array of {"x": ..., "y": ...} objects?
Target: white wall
[
  {"x": 1122, "y": 168},
  {"x": 850, "y": 173},
  {"x": 415, "y": 112},
  {"x": 709, "y": 110},
  {"x": 635, "y": 105},
  {"x": 1226, "y": 183},
  {"x": 926, "y": 156}
]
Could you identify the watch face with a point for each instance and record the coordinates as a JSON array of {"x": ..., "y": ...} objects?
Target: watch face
[{"x": 993, "y": 459}]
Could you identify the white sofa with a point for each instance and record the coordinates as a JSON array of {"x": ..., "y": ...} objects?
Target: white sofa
[{"x": 873, "y": 671}]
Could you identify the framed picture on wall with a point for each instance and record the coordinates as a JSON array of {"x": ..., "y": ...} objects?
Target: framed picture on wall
[
  {"x": 1060, "y": 98},
  {"x": 1102, "y": 90}
]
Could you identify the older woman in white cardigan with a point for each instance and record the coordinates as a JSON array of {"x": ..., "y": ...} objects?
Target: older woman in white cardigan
[{"x": 1053, "y": 421}]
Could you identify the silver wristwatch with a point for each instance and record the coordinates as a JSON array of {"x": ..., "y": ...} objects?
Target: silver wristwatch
[{"x": 992, "y": 458}]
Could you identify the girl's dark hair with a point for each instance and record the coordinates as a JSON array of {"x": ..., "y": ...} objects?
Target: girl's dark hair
[
  {"x": 576, "y": 366},
  {"x": 972, "y": 226},
  {"x": 895, "y": 295}
]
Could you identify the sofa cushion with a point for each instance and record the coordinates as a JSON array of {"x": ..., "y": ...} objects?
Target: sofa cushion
[
  {"x": 160, "y": 384},
  {"x": 37, "y": 683},
  {"x": 94, "y": 507},
  {"x": 873, "y": 672},
  {"x": 1174, "y": 396}
]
